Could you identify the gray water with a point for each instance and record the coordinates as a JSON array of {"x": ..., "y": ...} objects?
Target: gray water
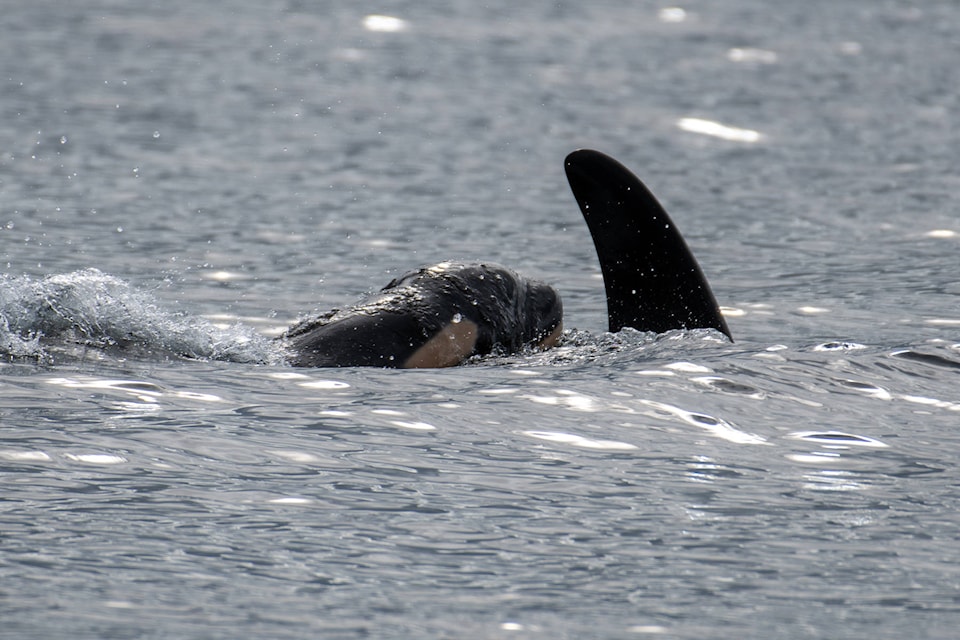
[{"x": 180, "y": 181}]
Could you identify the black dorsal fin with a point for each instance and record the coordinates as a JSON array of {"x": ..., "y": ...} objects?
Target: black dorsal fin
[{"x": 652, "y": 280}]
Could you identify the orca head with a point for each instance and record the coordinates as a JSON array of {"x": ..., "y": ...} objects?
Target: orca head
[
  {"x": 543, "y": 313},
  {"x": 516, "y": 311},
  {"x": 510, "y": 310}
]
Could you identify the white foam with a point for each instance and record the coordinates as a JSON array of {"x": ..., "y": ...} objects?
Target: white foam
[{"x": 100, "y": 310}]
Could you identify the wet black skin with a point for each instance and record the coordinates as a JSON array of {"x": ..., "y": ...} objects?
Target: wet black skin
[
  {"x": 652, "y": 280},
  {"x": 433, "y": 317}
]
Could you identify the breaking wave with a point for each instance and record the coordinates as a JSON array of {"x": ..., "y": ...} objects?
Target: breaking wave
[{"x": 94, "y": 309}]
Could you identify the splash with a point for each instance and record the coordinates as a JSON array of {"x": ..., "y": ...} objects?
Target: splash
[{"x": 91, "y": 308}]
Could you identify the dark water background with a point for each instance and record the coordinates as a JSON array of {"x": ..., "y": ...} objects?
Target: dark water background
[{"x": 227, "y": 167}]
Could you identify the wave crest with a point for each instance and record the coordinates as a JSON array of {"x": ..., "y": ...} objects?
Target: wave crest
[{"x": 92, "y": 308}]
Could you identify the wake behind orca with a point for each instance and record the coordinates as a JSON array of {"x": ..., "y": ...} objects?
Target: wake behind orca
[{"x": 441, "y": 315}]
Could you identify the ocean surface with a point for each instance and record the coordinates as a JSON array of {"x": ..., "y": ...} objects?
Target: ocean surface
[{"x": 180, "y": 181}]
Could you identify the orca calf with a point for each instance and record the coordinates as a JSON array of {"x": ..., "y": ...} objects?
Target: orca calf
[
  {"x": 436, "y": 316},
  {"x": 441, "y": 315}
]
